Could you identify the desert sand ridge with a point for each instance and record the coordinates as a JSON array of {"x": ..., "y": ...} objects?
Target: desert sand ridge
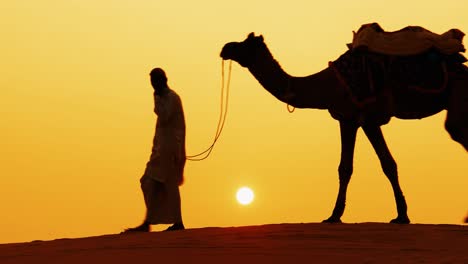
[{"x": 273, "y": 243}]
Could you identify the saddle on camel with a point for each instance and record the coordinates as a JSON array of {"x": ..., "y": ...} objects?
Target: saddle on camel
[
  {"x": 413, "y": 60},
  {"x": 411, "y": 40}
]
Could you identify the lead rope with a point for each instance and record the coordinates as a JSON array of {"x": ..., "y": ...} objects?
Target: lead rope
[
  {"x": 222, "y": 116},
  {"x": 288, "y": 106}
]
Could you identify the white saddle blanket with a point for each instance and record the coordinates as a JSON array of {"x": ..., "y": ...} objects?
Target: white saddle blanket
[{"x": 411, "y": 40}]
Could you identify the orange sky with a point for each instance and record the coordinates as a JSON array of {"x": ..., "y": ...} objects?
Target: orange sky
[{"x": 77, "y": 121}]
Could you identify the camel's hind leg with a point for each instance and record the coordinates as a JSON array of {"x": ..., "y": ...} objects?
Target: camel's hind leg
[
  {"x": 457, "y": 111},
  {"x": 389, "y": 166},
  {"x": 348, "y": 132}
]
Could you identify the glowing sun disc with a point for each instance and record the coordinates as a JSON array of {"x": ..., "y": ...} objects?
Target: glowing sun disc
[{"x": 245, "y": 195}]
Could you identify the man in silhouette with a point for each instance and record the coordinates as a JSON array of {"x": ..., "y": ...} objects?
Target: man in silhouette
[{"x": 164, "y": 170}]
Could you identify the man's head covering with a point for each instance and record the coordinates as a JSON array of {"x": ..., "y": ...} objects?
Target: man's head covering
[{"x": 158, "y": 74}]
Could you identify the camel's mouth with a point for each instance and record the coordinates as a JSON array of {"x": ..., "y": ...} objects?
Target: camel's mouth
[{"x": 227, "y": 53}]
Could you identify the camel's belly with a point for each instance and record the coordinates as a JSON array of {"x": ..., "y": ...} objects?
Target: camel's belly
[
  {"x": 404, "y": 105},
  {"x": 417, "y": 105}
]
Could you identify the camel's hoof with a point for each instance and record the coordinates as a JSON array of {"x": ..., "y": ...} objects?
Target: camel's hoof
[
  {"x": 400, "y": 220},
  {"x": 332, "y": 220}
]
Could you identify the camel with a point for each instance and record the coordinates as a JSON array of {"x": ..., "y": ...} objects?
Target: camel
[{"x": 324, "y": 90}]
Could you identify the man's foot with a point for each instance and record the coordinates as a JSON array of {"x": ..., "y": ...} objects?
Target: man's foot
[
  {"x": 145, "y": 227},
  {"x": 176, "y": 226}
]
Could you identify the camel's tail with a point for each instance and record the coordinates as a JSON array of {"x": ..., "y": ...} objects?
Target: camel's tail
[{"x": 459, "y": 135}]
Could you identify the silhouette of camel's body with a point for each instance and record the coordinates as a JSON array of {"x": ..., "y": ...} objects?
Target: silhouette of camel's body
[{"x": 324, "y": 90}]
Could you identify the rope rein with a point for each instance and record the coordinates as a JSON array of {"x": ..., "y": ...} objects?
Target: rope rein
[{"x": 222, "y": 115}]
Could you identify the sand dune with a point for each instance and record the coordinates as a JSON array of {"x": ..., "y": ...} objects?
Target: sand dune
[{"x": 276, "y": 243}]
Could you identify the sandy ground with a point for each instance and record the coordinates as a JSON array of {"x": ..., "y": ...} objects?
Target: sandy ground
[{"x": 277, "y": 243}]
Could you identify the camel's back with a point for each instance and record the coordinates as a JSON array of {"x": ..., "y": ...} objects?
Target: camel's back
[
  {"x": 408, "y": 87},
  {"x": 421, "y": 85}
]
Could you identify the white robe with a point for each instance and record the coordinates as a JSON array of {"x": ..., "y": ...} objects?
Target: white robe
[{"x": 164, "y": 171}]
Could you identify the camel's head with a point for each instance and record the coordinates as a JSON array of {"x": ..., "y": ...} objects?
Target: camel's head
[{"x": 243, "y": 52}]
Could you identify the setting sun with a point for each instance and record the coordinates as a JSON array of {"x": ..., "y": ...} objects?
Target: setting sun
[{"x": 245, "y": 195}]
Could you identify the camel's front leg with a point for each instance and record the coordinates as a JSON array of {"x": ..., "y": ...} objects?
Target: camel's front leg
[
  {"x": 348, "y": 132},
  {"x": 389, "y": 166}
]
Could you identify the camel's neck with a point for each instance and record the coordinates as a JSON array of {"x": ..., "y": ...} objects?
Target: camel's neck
[
  {"x": 271, "y": 76},
  {"x": 301, "y": 92}
]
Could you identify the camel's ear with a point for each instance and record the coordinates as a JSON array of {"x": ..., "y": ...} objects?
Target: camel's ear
[
  {"x": 251, "y": 35},
  {"x": 261, "y": 37}
]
